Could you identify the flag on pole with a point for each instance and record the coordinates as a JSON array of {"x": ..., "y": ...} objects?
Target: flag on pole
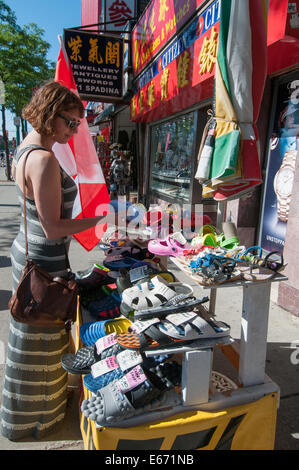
[
  {"x": 229, "y": 160},
  {"x": 79, "y": 159}
]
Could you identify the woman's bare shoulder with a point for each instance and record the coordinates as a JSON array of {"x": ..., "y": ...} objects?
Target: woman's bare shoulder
[{"x": 42, "y": 161}]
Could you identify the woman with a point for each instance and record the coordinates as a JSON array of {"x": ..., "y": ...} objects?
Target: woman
[{"x": 35, "y": 385}]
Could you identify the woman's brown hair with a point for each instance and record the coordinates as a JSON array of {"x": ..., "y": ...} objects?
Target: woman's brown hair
[{"x": 49, "y": 100}]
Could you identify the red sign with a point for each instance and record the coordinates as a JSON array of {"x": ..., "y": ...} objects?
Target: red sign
[
  {"x": 118, "y": 12},
  {"x": 160, "y": 20},
  {"x": 183, "y": 73}
]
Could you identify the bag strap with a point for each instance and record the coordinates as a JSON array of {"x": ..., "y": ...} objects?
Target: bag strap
[{"x": 25, "y": 211}]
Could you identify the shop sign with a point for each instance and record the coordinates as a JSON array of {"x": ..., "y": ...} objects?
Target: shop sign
[
  {"x": 160, "y": 21},
  {"x": 181, "y": 66},
  {"x": 292, "y": 23},
  {"x": 120, "y": 11},
  {"x": 97, "y": 64},
  {"x": 281, "y": 165}
]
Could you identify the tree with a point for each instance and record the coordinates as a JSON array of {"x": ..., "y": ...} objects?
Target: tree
[
  {"x": 30, "y": 50},
  {"x": 7, "y": 16},
  {"x": 23, "y": 65}
]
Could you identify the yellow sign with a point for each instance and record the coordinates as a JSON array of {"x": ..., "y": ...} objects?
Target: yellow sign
[
  {"x": 208, "y": 53},
  {"x": 182, "y": 70}
]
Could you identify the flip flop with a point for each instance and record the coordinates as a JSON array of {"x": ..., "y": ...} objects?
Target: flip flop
[
  {"x": 139, "y": 391},
  {"x": 154, "y": 293},
  {"x": 90, "y": 332}
]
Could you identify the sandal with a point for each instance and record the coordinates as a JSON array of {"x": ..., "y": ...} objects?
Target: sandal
[
  {"x": 258, "y": 273},
  {"x": 206, "y": 261},
  {"x": 229, "y": 243},
  {"x": 131, "y": 251},
  {"x": 139, "y": 391},
  {"x": 120, "y": 263},
  {"x": 81, "y": 362},
  {"x": 107, "y": 307},
  {"x": 247, "y": 262},
  {"x": 154, "y": 294},
  {"x": 97, "y": 275},
  {"x": 173, "y": 306},
  {"x": 84, "y": 358},
  {"x": 173, "y": 245},
  {"x": 248, "y": 255},
  {"x": 218, "y": 273},
  {"x": 142, "y": 273},
  {"x": 112, "y": 368},
  {"x": 274, "y": 265},
  {"x": 177, "y": 329}
]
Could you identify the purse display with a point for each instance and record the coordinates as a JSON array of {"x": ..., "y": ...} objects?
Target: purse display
[{"x": 40, "y": 299}]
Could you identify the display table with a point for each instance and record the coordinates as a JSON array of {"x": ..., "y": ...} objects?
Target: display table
[{"x": 209, "y": 417}]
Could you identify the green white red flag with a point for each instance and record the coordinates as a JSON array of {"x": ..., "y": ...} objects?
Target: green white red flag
[{"x": 79, "y": 159}]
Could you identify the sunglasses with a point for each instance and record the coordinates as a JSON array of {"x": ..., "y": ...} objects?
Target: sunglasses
[{"x": 70, "y": 123}]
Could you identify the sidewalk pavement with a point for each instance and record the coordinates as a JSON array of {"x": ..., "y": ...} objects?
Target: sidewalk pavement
[{"x": 283, "y": 337}]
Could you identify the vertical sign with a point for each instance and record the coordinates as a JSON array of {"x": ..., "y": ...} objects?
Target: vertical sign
[
  {"x": 120, "y": 11},
  {"x": 281, "y": 165},
  {"x": 97, "y": 64}
]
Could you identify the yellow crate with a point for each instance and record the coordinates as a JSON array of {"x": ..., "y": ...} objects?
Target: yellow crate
[{"x": 246, "y": 427}]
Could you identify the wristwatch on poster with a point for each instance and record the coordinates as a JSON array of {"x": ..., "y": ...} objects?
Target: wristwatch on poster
[{"x": 283, "y": 184}]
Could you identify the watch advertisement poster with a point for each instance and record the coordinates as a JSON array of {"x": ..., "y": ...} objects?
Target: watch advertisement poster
[{"x": 282, "y": 153}]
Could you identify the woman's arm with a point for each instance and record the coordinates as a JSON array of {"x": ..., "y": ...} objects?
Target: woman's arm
[{"x": 44, "y": 173}]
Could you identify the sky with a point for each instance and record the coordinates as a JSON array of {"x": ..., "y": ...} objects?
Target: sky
[{"x": 52, "y": 16}]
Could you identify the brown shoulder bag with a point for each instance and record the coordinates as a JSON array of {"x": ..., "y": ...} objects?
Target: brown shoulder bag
[{"x": 39, "y": 299}]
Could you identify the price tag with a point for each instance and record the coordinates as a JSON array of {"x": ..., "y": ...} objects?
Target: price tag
[
  {"x": 140, "y": 325},
  {"x": 131, "y": 379},
  {"x": 179, "y": 318},
  {"x": 106, "y": 342},
  {"x": 104, "y": 366},
  {"x": 127, "y": 359}
]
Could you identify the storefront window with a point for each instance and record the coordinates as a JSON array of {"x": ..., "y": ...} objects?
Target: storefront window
[{"x": 172, "y": 156}]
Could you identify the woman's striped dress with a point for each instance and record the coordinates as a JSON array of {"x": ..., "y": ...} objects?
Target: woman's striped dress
[{"x": 35, "y": 385}]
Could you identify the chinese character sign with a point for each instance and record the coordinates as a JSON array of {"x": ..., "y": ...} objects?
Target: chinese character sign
[
  {"x": 97, "y": 64},
  {"x": 160, "y": 20},
  {"x": 175, "y": 78},
  {"x": 119, "y": 11}
]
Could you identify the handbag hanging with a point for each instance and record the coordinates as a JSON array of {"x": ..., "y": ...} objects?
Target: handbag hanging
[{"x": 40, "y": 299}]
